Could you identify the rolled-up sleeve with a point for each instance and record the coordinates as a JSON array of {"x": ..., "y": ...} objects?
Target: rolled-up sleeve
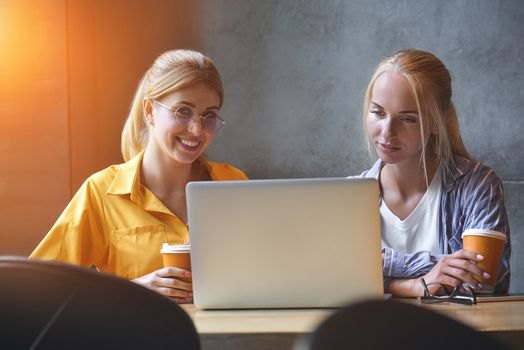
[
  {"x": 400, "y": 265},
  {"x": 404, "y": 266}
]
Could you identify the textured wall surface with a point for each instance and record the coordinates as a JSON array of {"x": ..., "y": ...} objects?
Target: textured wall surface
[
  {"x": 34, "y": 175},
  {"x": 295, "y": 74}
]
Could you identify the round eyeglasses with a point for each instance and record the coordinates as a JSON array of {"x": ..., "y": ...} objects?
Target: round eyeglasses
[{"x": 210, "y": 121}]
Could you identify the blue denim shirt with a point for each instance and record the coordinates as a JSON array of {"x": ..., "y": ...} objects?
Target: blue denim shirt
[{"x": 472, "y": 197}]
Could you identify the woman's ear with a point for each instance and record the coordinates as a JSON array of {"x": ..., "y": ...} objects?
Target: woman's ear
[{"x": 148, "y": 110}]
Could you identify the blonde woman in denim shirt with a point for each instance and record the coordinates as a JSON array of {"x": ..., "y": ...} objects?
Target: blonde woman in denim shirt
[{"x": 431, "y": 189}]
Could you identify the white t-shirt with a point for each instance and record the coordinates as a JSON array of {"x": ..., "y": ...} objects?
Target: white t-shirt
[{"x": 419, "y": 231}]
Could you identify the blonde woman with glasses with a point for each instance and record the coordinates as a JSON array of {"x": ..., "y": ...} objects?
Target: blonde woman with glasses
[
  {"x": 431, "y": 189},
  {"x": 119, "y": 218}
]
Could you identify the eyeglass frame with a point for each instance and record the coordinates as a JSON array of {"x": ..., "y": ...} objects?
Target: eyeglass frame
[
  {"x": 201, "y": 117},
  {"x": 452, "y": 297}
]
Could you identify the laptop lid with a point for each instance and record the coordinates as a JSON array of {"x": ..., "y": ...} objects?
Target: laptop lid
[{"x": 284, "y": 243}]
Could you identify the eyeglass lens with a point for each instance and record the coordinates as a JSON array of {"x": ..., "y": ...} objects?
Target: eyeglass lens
[{"x": 210, "y": 121}]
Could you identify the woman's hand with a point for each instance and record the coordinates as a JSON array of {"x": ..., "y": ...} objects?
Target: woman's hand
[
  {"x": 459, "y": 266},
  {"x": 166, "y": 281}
]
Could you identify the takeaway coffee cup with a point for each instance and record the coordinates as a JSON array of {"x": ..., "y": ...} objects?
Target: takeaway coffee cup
[
  {"x": 177, "y": 256},
  {"x": 490, "y": 245}
]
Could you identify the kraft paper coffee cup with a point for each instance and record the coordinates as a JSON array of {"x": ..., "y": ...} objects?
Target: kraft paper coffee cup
[
  {"x": 177, "y": 256},
  {"x": 489, "y": 244}
]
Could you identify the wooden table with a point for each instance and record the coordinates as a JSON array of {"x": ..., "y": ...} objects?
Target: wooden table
[{"x": 278, "y": 329}]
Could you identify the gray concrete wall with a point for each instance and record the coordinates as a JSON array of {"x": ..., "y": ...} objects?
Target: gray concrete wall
[{"x": 295, "y": 74}]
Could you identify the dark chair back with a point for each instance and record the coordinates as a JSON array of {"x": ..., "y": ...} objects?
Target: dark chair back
[
  {"x": 52, "y": 305},
  {"x": 381, "y": 325}
]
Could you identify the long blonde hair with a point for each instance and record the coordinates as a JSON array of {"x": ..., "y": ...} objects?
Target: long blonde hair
[
  {"x": 171, "y": 71},
  {"x": 430, "y": 82}
]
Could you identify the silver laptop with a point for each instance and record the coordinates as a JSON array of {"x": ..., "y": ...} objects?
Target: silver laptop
[{"x": 284, "y": 243}]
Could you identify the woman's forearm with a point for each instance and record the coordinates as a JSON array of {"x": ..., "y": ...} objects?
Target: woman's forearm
[{"x": 405, "y": 287}]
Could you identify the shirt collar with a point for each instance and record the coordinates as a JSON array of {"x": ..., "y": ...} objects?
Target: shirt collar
[
  {"x": 127, "y": 182},
  {"x": 450, "y": 177},
  {"x": 460, "y": 166},
  {"x": 127, "y": 179}
]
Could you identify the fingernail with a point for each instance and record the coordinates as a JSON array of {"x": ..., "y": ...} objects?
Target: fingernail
[
  {"x": 190, "y": 294},
  {"x": 480, "y": 257},
  {"x": 480, "y": 286},
  {"x": 187, "y": 274},
  {"x": 486, "y": 275}
]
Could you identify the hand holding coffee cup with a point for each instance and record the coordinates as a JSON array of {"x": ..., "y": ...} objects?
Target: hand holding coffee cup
[
  {"x": 177, "y": 256},
  {"x": 170, "y": 281},
  {"x": 489, "y": 244}
]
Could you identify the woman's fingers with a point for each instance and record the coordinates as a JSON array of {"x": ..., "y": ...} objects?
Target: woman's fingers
[
  {"x": 471, "y": 267},
  {"x": 173, "y": 283},
  {"x": 167, "y": 282},
  {"x": 467, "y": 255},
  {"x": 458, "y": 274},
  {"x": 459, "y": 266},
  {"x": 183, "y": 300},
  {"x": 466, "y": 261},
  {"x": 174, "y": 293},
  {"x": 173, "y": 272}
]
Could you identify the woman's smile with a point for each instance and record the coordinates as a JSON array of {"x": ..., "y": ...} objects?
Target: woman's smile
[{"x": 190, "y": 145}]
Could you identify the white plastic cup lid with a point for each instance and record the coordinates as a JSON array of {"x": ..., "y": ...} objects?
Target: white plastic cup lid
[
  {"x": 175, "y": 248},
  {"x": 484, "y": 232}
]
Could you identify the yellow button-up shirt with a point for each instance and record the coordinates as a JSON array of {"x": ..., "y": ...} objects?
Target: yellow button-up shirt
[{"x": 116, "y": 224}]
